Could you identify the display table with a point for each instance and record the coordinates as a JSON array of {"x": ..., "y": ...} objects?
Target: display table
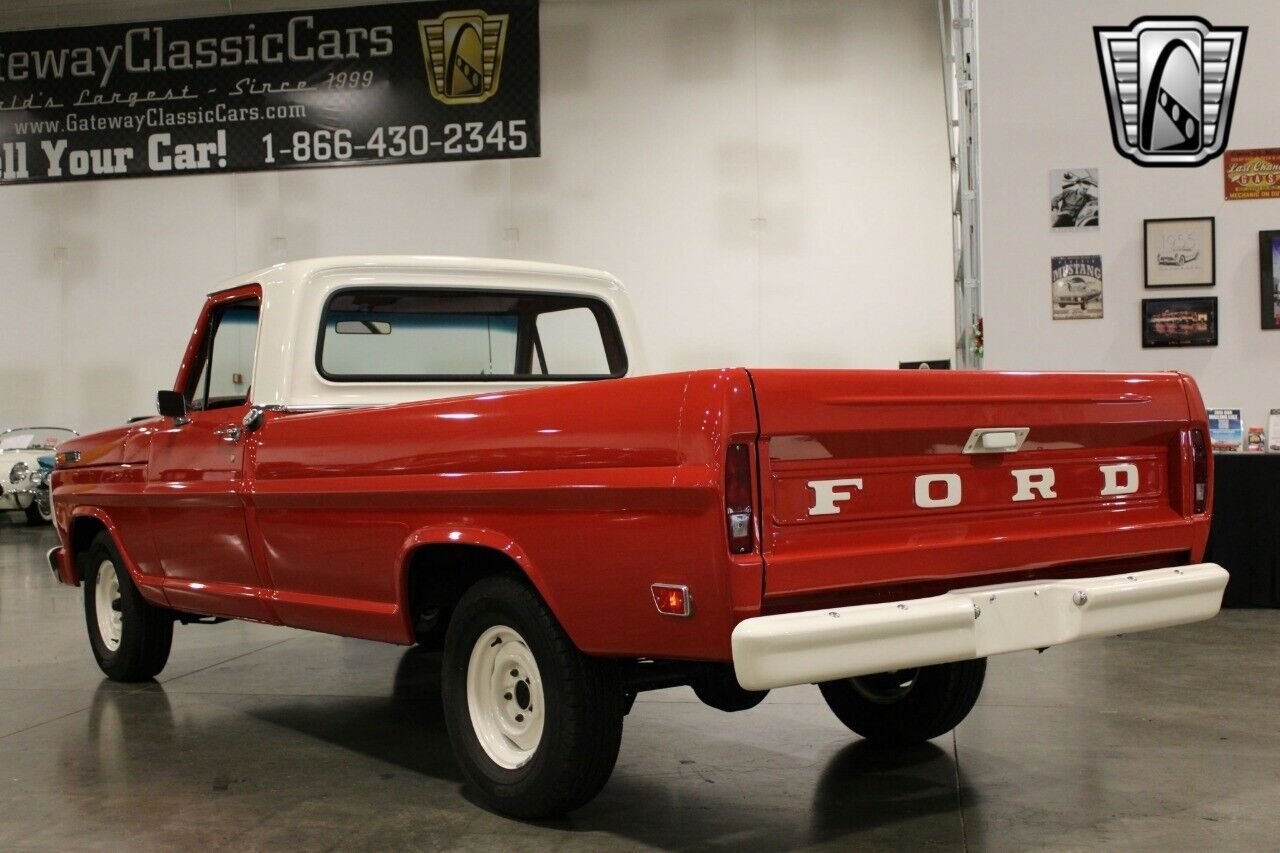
[{"x": 1245, "y": 536}]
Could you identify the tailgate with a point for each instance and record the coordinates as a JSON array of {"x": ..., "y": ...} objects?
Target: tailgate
[{"x": 868, "y": 489}]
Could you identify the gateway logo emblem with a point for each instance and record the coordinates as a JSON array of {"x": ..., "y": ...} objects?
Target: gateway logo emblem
[
  {"x": 463, "y": 52},
  {"x": 1170, "y": 85}
]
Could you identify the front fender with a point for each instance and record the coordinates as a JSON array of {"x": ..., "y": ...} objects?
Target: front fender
[{"x": 150, "y": 588}]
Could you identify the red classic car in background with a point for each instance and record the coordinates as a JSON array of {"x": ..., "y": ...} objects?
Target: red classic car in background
[{"x": 469, "y": 454}]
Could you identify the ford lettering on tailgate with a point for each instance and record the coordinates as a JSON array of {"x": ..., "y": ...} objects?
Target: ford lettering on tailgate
[{"x": 873, "y": 491}]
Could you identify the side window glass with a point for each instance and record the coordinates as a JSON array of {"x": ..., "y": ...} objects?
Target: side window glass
[{"x": 227, "y": 368}]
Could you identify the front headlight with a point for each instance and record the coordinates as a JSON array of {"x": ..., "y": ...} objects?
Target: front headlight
[{"x": 18, "y": 472}]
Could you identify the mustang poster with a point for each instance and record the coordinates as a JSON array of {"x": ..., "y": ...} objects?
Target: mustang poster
[
  {"x": 400, "y": 83},
  {"x": 1252, "y": 173},
  {"x": 1077, "y": 287}
]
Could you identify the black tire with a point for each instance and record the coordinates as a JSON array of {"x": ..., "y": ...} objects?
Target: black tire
[
  {"x": 35, "y": 517},
  {"x": 145, "y": 632},
  {"x": 908, "y": 706},
  {"x": 583, "y": 697}
]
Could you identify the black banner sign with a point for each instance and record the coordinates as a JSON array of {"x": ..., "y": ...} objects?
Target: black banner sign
[{"x": 401, "y": 83}]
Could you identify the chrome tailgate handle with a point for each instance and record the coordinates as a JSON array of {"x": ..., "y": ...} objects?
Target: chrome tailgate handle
[{"x": 996, "y": 440}]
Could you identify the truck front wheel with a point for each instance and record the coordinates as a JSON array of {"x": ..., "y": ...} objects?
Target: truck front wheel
[
  {"x": 130, "y": 637},
  {"x": 534, "y": 723},
  {"x": 907, "y": 706}
]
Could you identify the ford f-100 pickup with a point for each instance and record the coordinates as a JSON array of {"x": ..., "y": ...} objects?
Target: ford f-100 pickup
[{"x": 469, "y": 454}]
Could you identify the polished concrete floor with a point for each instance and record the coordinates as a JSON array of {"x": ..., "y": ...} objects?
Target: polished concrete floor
[{"x": 257, "y": 737}]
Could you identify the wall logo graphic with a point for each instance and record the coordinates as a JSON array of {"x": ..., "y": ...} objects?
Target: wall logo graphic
[
  {"x": 1170, "y": 85},
  {"x": 463, "y": 52}
]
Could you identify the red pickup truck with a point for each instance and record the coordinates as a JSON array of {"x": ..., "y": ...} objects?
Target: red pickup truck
[{"x": 468, "y": 454}]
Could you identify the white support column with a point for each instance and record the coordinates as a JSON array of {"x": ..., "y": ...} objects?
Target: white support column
[{"x": 957, "y": 21}]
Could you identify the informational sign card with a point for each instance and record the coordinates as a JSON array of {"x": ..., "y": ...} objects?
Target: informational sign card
[
  {"x": 407, "y": 82},
  {"x": 1226, "y": 430}
]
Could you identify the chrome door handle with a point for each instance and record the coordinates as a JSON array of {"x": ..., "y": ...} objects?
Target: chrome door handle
[{"x": 229, "y": 434}]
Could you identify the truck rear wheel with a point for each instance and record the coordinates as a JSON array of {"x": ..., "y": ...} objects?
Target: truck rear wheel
[
  {"x": 907, "y": 706},
  {"x": 130, "y": 637},
  {"x": 534, "y": 723}
]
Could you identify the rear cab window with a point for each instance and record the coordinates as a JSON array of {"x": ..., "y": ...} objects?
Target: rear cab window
[{"x": 371, "y": 334}]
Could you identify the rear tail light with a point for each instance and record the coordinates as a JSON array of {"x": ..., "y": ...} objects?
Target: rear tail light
[
  {"x": 1199, "y": 473},
  {"x": 739, "y": 519}
]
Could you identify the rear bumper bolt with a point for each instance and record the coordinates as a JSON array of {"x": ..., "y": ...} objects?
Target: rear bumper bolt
[{"x": 1080, "y": 598}]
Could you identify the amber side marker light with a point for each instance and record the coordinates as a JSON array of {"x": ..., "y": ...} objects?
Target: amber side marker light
[
  {"x": 672, "y": 599},
  {"x": 66, "y": 457}
]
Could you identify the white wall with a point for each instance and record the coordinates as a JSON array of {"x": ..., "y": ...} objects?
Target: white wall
[
  {"x": 1042, "y": 108},
  {"x": 769, "y": 178}
]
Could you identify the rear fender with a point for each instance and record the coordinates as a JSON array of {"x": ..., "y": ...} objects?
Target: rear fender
[{"x": 478, "y": 536}]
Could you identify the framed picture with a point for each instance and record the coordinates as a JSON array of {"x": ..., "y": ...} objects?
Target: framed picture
[
  {"x": 1269, "y": 266},
  {"x": 1073, "y": 198},
  {"x": 1179, "y": 252},
  {"x": 1189, "y": 322}
]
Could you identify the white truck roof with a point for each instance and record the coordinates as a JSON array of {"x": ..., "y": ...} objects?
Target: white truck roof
[{"x": 294, "y": 294}]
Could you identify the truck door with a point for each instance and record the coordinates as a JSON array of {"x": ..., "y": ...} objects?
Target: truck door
[{"x": 195, "y": 477}]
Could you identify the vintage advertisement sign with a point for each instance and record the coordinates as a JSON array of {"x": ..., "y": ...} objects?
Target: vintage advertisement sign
[
  {"x": 1252, "y": 173},
  {"x": 399, "y": 83},
  {"x": 1076, "y": 287}
]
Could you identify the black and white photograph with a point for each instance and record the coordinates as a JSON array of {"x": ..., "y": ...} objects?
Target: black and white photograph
[
  {"x": 1073, "y": 198},
  {"x": 1179, "y": 252},
  {"x": 1076, "y": 284}
]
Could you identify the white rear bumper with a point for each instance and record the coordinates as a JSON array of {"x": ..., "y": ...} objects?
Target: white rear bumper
[{"x": 824, "y": 645}]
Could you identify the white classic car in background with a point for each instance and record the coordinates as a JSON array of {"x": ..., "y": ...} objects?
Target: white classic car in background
[{"x": 24, "y": 482}]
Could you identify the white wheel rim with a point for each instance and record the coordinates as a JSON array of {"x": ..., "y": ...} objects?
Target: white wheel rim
[
  {"x": 504, "y": 697},
  {"x": 106, "y": 605}
]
